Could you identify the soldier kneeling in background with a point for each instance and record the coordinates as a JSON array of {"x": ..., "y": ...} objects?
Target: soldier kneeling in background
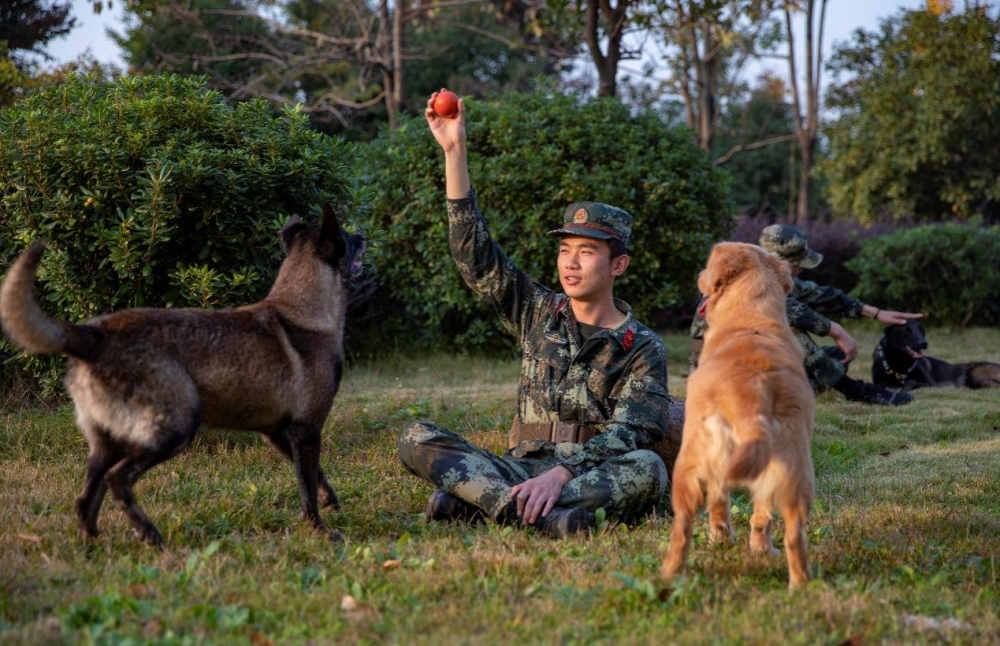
[{"x": 809, "y": 306}]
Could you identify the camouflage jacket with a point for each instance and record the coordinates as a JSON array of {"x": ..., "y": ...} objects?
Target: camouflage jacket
[
  {"x": 616, "y": 382},
  {"x": 809, "y": 304}
]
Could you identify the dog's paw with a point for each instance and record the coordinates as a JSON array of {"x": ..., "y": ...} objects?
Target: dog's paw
[
  {"x": 669, "y": 570},
  {"x": 767, "y": 550},
  {"x": 720, "y": 534},
  {"x": 150, "y": 536},
  {"x": 336, "y": 537}
]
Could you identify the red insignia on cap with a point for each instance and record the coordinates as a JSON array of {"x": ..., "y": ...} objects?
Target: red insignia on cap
[
  {"x": 580, "y": 216},
  {"x": 628, "y": 339}
]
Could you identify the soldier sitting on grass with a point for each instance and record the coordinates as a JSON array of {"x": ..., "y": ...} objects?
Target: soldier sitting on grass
[
  {"x": 593, "y": 379},
  {"x": 808, "y": 307}
]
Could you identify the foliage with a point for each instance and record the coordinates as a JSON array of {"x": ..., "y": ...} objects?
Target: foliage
[
  {"x": 761, "y": 176},
  {"x": 27, "y": 24},
  {"x": 919, "y": 117},
  {"x": 530, "y": 157},
  {"x": 949, "y": 271},
  {"x": 152, "y": 191},
  {"x": 336, "y": 56}
]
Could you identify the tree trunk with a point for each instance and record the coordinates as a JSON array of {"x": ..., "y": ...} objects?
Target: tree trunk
[
  {"x": 606, "y": 63},
  {"x": 805, "y": 181}
]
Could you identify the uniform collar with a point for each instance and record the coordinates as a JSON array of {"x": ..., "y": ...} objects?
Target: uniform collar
[{"x": 624, "y": 334}]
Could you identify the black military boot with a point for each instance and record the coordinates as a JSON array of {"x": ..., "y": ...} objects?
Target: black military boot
[
  {"x": 560, "y": 523},
  {"x": 444, "y": 506},
  {"x": 860, "y": 391},
  {"x": 566, "y": 521}
]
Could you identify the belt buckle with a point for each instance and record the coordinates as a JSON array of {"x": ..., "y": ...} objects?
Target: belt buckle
[{"x": 564, "y": 432}]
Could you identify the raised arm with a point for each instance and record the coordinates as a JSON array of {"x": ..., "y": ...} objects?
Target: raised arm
[
  {"x": 450, "y": 135},
  {"x": 483, "y": 265}
]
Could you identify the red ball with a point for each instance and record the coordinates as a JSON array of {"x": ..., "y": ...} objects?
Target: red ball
[{"x": 446, "y": 104}]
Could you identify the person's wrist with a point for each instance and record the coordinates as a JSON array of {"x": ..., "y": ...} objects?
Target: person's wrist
[{"x": 456, "y": 151}]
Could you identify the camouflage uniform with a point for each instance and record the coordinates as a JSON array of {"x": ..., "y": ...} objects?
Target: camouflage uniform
[
  {"x": 615, "y": 382},
  {"x": 808, "y": 307}
]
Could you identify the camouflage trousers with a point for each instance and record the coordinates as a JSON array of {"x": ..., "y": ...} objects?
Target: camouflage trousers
[
  {"x": 627, "y": 486},
  {"x": 822, "y": 363}
]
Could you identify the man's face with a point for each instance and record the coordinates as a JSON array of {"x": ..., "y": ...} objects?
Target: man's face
[{"x": 586, "y": 270}]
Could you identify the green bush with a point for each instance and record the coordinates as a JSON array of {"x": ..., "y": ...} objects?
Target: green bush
[
  {"x": 530, "y": 156},
  {"x": 950, "y": 271},
  {"x": 153, "y": 191}
]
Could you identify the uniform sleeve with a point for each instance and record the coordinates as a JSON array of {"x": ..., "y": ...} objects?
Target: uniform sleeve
[
  {"x": 803, "y": 318},
  {"x": 639, "y": 419},
  {"x": 826, "y": 300},
  {"x": 485, "y": 268}
]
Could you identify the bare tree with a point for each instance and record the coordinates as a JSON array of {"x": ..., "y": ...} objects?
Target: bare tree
[
  {"x": 807, "y": 120},
  {"x": 707, "y": 45},
  {"x": 610, "y": 20}
]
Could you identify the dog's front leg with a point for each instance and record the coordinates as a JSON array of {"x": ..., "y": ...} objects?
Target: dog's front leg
[
  {"x": 306, "y": 441},
  {"x": 281, "y": 440}
]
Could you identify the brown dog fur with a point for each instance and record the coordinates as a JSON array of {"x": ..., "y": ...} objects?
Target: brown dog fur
[
  {"x": 144, "y": 379},
  {"x": 749, "y": 416}
]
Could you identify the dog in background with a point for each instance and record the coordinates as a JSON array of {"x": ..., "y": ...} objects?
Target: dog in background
[
  {"x": 144, "y": 379},
  {"x": 899, "y": 362},
  {"x": 749, "y": 412}
]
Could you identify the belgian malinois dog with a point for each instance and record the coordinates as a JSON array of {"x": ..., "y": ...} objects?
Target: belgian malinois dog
[
  {"x": 144, "y": 379},
  {"x": 900, "y": 362}
]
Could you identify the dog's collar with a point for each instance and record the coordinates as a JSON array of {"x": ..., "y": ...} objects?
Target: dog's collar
[{"x": 899, "y": 376}]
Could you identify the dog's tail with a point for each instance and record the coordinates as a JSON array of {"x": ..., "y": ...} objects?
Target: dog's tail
[
  {"x": 753, "y": 451},
  {"x": 27, "y": 325}
]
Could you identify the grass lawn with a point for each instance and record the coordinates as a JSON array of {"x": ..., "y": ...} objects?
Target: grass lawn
[{"x": 904, "y": 536}]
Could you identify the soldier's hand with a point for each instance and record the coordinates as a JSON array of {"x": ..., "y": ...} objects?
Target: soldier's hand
[
  {"x": 891, "y": 317},
  {"x": 449, "y": 133},
  {"x": 536, "y": 497},
  {"x": 844, "y": 341}
]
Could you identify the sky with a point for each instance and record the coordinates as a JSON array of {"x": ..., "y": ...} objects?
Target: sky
[{"x": 843, "y": 17}]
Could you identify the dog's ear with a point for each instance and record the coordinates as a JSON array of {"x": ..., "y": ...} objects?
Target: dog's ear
[
  {"x": 330, "y": 232},
  {"x": 727, "y": 262},
  {"x": 289, "y": 231},
  {"x": 783, "y": 270}
]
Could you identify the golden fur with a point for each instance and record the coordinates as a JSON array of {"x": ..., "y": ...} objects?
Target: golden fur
[{"x": 750, "y": 408}]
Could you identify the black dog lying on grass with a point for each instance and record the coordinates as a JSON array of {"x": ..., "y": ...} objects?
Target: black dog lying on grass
[{"x": 900, "y": 363}]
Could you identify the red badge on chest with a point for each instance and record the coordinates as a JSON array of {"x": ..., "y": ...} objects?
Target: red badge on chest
[{"x": 628, "y": 339}]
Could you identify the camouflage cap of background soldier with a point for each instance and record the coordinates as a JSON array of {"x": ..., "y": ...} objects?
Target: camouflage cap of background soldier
[
  {"x": 595, "y": 220},
  {"x": 790, "y": 244}
]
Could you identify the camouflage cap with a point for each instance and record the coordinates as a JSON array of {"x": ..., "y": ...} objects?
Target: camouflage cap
[
  {"x": 595, "y": 220},
  {"x": 790, "y": 244}
]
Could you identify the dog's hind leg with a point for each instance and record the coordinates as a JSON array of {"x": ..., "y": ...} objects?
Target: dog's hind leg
[
  {"x": 719, "y": 518},
  {"x": 281, "y": 441},
  {"x": 104, "y": 454},
  {"x": 760, "y": 527},
  {"x": 123, "y": 476},
  {"x": 306, "y": 440},
  {"x": 685, "y": 497},
  {"x": 795, "y": 511}
]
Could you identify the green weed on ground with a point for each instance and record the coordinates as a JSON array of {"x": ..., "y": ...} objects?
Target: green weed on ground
[{"x": 904, "y": 536}]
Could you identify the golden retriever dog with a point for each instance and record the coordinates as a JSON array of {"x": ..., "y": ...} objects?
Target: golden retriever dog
[{"x": 749, "y": 411}]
